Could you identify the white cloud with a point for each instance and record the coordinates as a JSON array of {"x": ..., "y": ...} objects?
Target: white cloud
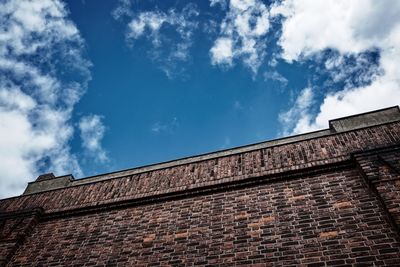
[
  {"x": 297, "y": 119},
  {"x": 348, "y": 26},
  {"x": 169, "y": 52},
  {"x": 36, "y": 104},
  {"x": 222, "y": 51},
  {"x": 351, "y": 28},
  {"x": 151, "y": 20},
  {"x": 242, "y": 34},
  {"x": 354, "y": 70},
  {"x": 92, "y": 132}
]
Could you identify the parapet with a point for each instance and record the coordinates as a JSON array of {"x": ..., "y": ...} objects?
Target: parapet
[
  {"x": 48, "y": 182},
  {"x": 367, "y": 119}
]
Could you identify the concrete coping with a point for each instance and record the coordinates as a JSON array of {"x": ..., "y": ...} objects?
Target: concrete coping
[
  {"x": 367, "y": 119},
  {"x": 387, "y": 115},
  {"x": 41, "y": 185}
]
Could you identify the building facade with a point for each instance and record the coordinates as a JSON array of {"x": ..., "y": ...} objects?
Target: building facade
[{"x": 325, "y": 198}]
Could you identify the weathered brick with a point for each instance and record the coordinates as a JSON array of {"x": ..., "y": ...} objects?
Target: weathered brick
[
  {"x": 149, "y": 238},
  {"x": 342, "y": 205},
  {"x": 181, "y": 235},
  {"x": 328, "y": 234}
]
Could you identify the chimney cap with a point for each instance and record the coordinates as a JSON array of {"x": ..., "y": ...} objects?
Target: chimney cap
[{"x": 45, "y": 176}]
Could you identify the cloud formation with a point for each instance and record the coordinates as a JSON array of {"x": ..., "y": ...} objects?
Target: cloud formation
[
  {"x": 242, "y": 34},
  {"x": 43, "y": 74},
  {"x": 92, "y": 132},
  {"x": 170, "y": 33},
  {"x": 352, "y": 28},
  {"x": 297, "y": 118}
]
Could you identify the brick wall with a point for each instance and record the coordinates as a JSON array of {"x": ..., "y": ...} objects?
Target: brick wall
[
  {"x": 14, "y": 228},
  {"x": 381, "y": 170},
  {"x": 329, "y": 218},
  {"x": 330, "y": 200}
]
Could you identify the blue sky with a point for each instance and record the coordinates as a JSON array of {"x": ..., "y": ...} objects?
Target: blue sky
[{"x": 88, "y": 87}]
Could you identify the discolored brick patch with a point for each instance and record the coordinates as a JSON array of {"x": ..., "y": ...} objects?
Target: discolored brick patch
[
  {"x": 342, "y": 205},
  {"x": 328, "y": 234}
]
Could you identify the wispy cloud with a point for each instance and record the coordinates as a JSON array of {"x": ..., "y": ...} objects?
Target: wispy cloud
[
  {"x": 297, "y": 119},
  {"x": 222, "y": 3},
  {"x": 237, "y": 105},
  {"x": 276, "y": 76},
  {"x": 123, "y": 10},
  {"x": 43, "y": 74},
  {"x": 169, "y": 49},
  {"x": 242, "y": 34},
  {"x": 352, "y": 29},
  {"x": 227, "y": 143},
  {"x": 92, "y": 132},
  {"x": 165, "y": 127}
]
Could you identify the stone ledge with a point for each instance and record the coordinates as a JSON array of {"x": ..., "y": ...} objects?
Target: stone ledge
[
  {"x": 50, "y": 183},
  {"x": 367, "y": 119}
]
